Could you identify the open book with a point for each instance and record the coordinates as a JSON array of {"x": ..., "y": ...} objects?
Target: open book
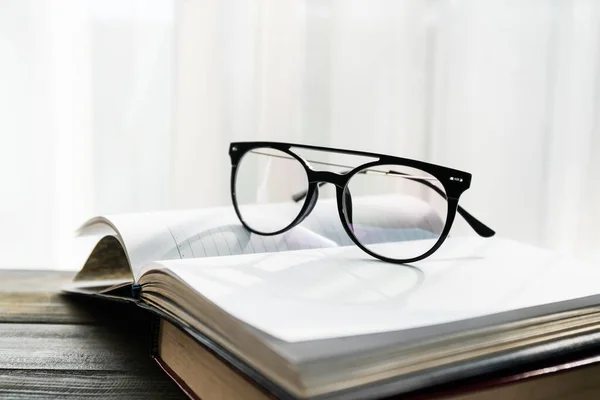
[{"x": 308, "y": 315}]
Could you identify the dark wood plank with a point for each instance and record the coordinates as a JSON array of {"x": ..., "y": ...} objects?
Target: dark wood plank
[
  {"x": 56, "y": 346},
  {"x": 41, "y": 308},
  {"x": 75, "y": 347},
  {"x": 34, "y": 297},
  {"x": 53, "y": 384}
]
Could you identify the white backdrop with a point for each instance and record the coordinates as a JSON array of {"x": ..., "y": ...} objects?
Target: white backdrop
[{"x": 126, "y": 105}]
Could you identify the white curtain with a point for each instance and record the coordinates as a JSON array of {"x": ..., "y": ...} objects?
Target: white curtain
[{"x": 115, "y": 106}]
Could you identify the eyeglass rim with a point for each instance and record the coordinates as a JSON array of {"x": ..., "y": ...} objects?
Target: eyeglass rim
[
  {"x": 451, "y": 206},
  {"x": 297, "y": 219}
]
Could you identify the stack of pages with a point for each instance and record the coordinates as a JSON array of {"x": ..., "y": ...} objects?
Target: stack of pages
[{"x": 307, "y": 315}]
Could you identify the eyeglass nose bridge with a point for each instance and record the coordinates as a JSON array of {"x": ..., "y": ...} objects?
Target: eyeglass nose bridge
[{"x": 327, "y": 177}]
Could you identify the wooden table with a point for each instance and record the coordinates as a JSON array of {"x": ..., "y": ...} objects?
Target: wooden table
[{"x": 54, "y": 347}]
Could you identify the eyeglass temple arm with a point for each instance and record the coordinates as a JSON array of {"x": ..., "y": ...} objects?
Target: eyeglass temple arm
[{"x": 479, "y": 227}]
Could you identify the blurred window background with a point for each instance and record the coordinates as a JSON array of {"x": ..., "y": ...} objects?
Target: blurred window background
[{"x": 111, "y": 106}]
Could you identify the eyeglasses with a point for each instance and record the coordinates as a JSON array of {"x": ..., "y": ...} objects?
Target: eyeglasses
[{"x": 385, "y": 199}]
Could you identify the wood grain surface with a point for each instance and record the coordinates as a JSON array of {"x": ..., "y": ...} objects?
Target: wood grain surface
[
  {"x": 33, "y": 296},
  {"x": 54, "y": 346}
]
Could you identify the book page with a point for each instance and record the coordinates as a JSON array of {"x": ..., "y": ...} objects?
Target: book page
[
  {"x": 215, "y": 232},
  {"x": 327, "y": 293}
]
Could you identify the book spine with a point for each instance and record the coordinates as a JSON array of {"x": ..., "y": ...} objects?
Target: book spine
[
  {"x": 176, "y": 379},
  {"x": 154, "y": 335},
  {"x": 136, "y": 291}
]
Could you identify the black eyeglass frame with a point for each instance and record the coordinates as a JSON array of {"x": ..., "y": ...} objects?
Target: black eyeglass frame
[{"x": 455, "y": 183}]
